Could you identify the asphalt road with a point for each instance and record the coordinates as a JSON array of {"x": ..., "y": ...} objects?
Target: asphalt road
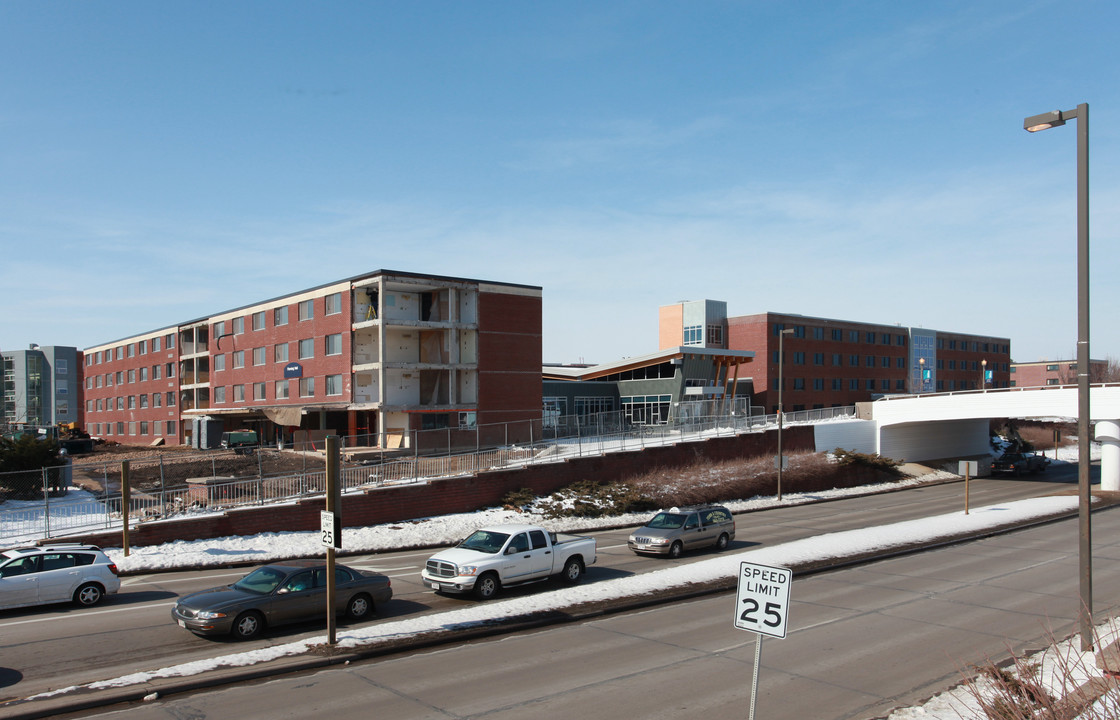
[
  {"x": 57, "y": 647},
  {"x": 863, "y": 641}
]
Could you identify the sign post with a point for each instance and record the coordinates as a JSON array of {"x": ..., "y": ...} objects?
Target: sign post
[
  {"x": 331, "y": 528},
  {"x": 762, "y": 607},
  {"x": 966, "y": 468}
]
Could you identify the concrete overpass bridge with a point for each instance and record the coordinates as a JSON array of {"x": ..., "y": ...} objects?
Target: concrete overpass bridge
[{"x": 947, "y": 425}]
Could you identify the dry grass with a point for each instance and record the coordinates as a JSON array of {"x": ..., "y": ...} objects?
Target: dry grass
[{"x": 703, "y": 482}]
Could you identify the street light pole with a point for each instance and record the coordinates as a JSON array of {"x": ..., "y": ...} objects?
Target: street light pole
[
  {"x": 984, "y": 375},
  {"x": 781, "y": 362},
  {"x": 1035, "y": 124}
]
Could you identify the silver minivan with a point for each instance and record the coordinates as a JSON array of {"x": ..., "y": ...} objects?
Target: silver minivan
[{"x": 673, "y": 531}]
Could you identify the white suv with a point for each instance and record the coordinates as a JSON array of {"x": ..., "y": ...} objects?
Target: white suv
[{"x": 81, "y": 574}]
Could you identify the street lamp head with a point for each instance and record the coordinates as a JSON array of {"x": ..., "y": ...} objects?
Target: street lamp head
[{"x": 1045, "y": 121}]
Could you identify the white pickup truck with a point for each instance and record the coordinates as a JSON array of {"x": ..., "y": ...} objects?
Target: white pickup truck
[{"x": 507, "y": 555}]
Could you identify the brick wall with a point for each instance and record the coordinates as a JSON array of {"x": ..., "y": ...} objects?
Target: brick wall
[{"x": 458, "y": 495}]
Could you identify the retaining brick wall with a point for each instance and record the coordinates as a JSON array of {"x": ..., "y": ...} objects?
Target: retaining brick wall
[{"x": 458, "y": 495}]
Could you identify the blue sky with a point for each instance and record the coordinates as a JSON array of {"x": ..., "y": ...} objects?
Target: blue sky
[{"x": 858, "y": 160}]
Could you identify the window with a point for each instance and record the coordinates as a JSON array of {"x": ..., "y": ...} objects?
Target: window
[
  {"x": 170, "y": 344},
  {"x": 258, "y": 320},
  {"x": 131, "y": 402},
  {"x": 853, "y": 384},
  {"x": 307, "y": 310},
  {"x": 1051, "y": 367},
  {"x": 170, "y": 370},
  {"x": 869, "y": 338},
  {"x": 885, "y": 361},
  {"x": 170, "y": 427},
  {"x": 156, "y": 372},
  {"x": 853, "y": 336},
  {"x": 307, "y": 387},
  {"x": 885, "y": 385},
  {"x": 837, "y": 360},
  {"x": 799, "y": 383},
  {"x": 871, "y": 385},
  {"x": 143, "y": 374},
  {"x": 306, "y": 348},
  {"x": 281, "y": 389},
  {"x": 170, "y": 403},
  {"x": 853, "y": 361},
  {"x": 693, "y": 335},
  {"x": 818, "y": 358},
  {"x": 132, "y": 353},
  {"x": 837, "y": 384},
  {"x": 837, "y": 334},
  {"x": 280, "y": 353},
  {"x": 885, "y": 339},
  {"x": 1053, "y": 381},
  {"x": 132, "y": 428},
  {"x": 799, "y": 358},
  {"x": 818, "y": 383},
  {"x": 332, "y": 304},
  {"x": 144, "y": 401},
  {"x": 869, "y": 360},
  {"x": 156, "y": 344},
  {"x": 334, "y": 384},
  {"x": 818, "y": 333},
  {"x": 238, "y": 393},
  {"x": 131, "y": 376},
  {"x": 219, "y": 329},
  {"x": 219, "y": 362},
  {"x": 239, "y": 326},
  {"x": 143, "y": 347},
  {"x": 715, "y": 335},
  {"x": 260, "y": 357},
  {"x": 120, "y": 402},
  {"x": 334, "y": 345},
  {"x": 219, "y": 394},
  {"x": 258, "y": 391},
  {"x": 157, "y": 400},
  {"x": 280, "y": 316},
  {"x": 239, "y": 359},
  {"x": 900, "y": 363}
]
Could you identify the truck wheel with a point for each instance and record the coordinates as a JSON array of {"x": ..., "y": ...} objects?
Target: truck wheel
[
  {"x": 722, "y": 542},
  {"x": 486, "y": 586},
  {"x": 573, "y": 569},
  {"x": 675, "y": 549}
]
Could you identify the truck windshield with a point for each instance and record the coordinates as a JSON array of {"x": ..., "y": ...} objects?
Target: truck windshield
[
  {"x": 485, "y": 541},
  {"x": 666, "y": 521}
]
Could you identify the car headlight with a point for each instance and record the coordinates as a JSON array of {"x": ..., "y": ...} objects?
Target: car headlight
[
  {"x": 468, "y": 570},
  {"x": 660, "y": 541},
  {"x": 209, "y": 615}
]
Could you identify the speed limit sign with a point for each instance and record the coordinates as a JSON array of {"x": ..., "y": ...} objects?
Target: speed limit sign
[
  {"x": 330, "y": 529},
  {"x": 762, "y": 603}
]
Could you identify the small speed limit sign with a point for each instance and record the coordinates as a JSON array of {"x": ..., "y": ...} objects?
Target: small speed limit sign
[{"x": 762, "y": 603}]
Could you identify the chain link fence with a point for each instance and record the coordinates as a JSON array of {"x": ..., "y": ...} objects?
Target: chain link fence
[{"x": 155, "y": 495}]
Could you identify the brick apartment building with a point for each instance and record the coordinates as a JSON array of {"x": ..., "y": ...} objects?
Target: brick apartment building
[
  {"x": 382, "y": 356},
  {"x": 1054, "y": 372},
  {"x": 833, "y": 363}
]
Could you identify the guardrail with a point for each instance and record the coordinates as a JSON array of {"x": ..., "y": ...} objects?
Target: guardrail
[{"x": 54, "y": 517}]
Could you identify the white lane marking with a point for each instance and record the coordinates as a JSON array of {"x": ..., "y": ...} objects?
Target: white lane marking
[
  {"x": 85, "y": 614},
  {"x": 154, "y": 579}
]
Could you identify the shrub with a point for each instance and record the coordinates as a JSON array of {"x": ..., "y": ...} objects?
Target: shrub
[{"x": 871, "y": 460}]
